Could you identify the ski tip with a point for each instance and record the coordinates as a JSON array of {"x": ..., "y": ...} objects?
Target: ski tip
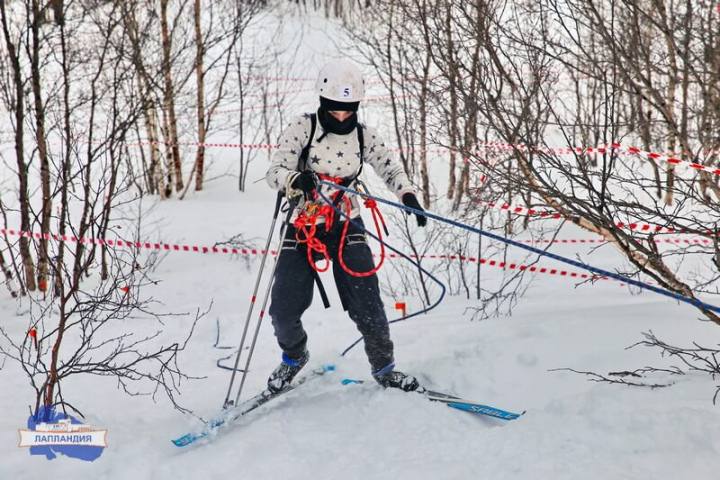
[
  {"x": 349, "y": 381},
  {"x": 188, "y": 438},
  {"x": 485, "y": 410},
  {"x": 181, "y": 442}
]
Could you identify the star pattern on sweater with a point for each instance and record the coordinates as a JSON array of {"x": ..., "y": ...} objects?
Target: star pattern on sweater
[{"x": 342, "y": 155}]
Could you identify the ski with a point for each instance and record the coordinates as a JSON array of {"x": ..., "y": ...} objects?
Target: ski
[
  {"x": 469, "y": 406},
  {"x": 246, "y": 407},
  {"x": 458, "y": 403}
]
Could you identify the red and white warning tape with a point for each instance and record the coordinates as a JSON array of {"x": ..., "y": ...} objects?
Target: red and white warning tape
[
  {"x": 675, "y": 241},
  {"x": 249, "y": 251},
  {"x": 277, "y": 94},
  {"x": 489, "y": 146},
  {"x": 284, "y": 79},
  {"x": 523, "y": 210},
  {"x": 640, "y": 227},
  {"x": 600, "y": 150},
  {"x": 542, "y": 149},
  {"x": 276, "y": 105},
  {"x": 194, "y": 144},
  {"x": 301, "y": 79},
  {"x": 135, "y": 244},
  {"x": 665, "y": 158}
]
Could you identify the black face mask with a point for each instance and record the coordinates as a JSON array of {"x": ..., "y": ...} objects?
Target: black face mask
[{"x": 331, "y": 124}]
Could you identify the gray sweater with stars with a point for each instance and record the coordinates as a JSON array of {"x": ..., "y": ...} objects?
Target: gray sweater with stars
[{"x": 335, "y": 156}]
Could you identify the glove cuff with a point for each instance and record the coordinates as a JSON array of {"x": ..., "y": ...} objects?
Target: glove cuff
[{"x": 291, "y": 191}]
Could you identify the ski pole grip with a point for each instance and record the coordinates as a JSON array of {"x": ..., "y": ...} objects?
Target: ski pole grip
[{"x": 292, "y": 203}]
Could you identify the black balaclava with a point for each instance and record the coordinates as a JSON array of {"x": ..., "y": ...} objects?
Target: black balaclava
[{"x": 331, "y": 124}]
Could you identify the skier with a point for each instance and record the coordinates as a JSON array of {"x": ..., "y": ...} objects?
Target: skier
[{"x": 332, "y": 154}]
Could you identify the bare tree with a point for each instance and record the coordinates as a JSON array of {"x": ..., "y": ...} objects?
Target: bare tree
[
  {"x": 590, "y": 74},
  {"x": 84, "y": 87},
  {"x": 171, "y": 126},
  {"x": 224, "y": 36},
  {"x": 14, "y": 98}
]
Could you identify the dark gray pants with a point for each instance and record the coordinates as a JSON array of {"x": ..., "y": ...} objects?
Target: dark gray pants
[{"x": 293, "y": 286}]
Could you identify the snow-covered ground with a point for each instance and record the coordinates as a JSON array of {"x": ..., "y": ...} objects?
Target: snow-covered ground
[{"x": 573, "y": 428}]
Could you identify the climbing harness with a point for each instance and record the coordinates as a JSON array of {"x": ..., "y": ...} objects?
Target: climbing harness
[{"x": 306, "y": 228}]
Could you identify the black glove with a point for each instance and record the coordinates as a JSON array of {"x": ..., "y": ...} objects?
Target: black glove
[
  {"x": 410, "y": 200},
  {"x": 306, "y": 182}
]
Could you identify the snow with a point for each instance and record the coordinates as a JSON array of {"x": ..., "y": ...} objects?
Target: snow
[{"x": 573, "y": 428}]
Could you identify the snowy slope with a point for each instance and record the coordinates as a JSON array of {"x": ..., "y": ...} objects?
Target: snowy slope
[{"x": 573, "y": 429}]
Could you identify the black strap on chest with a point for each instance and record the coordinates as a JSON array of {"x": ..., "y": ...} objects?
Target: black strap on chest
[
  {"x": 361, "y": 144},
  {"x": 303, "y": 167},
  {"x": 302, "y": 164},
  {"x": 305, "y": 153}
]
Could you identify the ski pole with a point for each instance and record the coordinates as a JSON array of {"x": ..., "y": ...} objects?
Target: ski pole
[
  {"x": 278, "y": 202},
  {"x": 292, "y": 203}
]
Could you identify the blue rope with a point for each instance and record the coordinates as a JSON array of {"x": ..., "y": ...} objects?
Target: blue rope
[
  {"x": 598, "y": 271},
  {"x": 220, "y": 347},
  {"x": 417, "y": 264}
]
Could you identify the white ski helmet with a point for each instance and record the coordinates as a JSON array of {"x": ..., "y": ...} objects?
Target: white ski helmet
[{"x": 341, "y": 81}]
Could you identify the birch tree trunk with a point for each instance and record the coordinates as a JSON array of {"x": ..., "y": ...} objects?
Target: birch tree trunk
[
  {"x": 670, "y": 107},
  {"x": 199, "y": 45},
  {"x": 169, "y": 98},
  {"x": 22, "y": 167},
  {"x": 424, "y": 92},
  {"x": 42, "y": 272},
  {"x": 154, "y": 174},
  {"x": 453, "y": 78}
]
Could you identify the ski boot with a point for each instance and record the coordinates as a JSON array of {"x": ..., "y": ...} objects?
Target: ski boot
[
  {"x": 284, "y": 374},
  {"x": 388, "y": 377}
]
